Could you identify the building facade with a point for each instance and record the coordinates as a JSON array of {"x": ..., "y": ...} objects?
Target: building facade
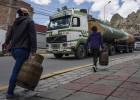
[
  {"x": 41, "y": 36},
  {"x": 8, "y": 11}
]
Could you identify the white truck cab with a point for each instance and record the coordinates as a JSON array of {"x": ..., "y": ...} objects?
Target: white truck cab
[{"x": 67, "y": 33}]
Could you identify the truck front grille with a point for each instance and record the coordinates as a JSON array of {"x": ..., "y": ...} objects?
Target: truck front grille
[
  {"x": 57, "y": 39},
  {"x": 55, "y": 46}
]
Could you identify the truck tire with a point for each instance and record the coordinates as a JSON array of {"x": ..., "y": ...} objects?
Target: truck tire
[
  {"x": 80, "y": 52},
  {"x": 58, "y": 55},
  {"x": 131, "y": 50},
  {"x": 126, "y": 50}
]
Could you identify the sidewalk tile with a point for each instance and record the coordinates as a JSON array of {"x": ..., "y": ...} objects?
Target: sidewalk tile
[
  {"x": 114, "y": 98},
  {"x": 56, "y": 93},
  {"x": 89, "y": 79},
  {"x": 114, "y": 83},
  {"x": 105, "y": 72},
  {"x": 117, "y": 67},
  {"x": 35, "y": 98},
  {"x": 137, "y": 74},
  {"x": 125, "y": 72},
  {"x": 131, "y": 85},
  {"x": 134, "y": 79},
  {"x": 96, "y": 76},
  {"x": 99, "y": 89},
  {"x": 75, "y": 86},
  {"x": 84, "y": 81},
  {"x": 85, "y": 96},
  {"x": 117, "y": 77},
  {"x": 127, "y": 94}
]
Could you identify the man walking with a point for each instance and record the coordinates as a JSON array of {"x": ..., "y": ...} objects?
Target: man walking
[
  {"x": 95, "y": 42},
  {"x": 22, "y": 38}
]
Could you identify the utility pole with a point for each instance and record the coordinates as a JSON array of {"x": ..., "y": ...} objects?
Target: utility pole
[{"x": 104, "y": 9}]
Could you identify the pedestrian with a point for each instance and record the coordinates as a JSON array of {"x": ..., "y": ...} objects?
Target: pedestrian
[
  {"x": 95, "y": 43},
  {"x": 22, "y": 38}
]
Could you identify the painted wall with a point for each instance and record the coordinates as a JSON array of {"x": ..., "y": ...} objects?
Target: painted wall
[
  {"x": 41, "y": 40},
  {"x": 2, "y": 38}
]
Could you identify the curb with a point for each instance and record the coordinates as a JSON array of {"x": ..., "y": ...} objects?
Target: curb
[{"x": 62, "y": 71}]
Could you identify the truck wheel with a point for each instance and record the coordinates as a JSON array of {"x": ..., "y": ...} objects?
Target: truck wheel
[
  {"x": 58, "y": 55},
  {"x": 126, "y": 50},
  {"x": 131, "y": 50},
  {"x": 80, "y": 52}
]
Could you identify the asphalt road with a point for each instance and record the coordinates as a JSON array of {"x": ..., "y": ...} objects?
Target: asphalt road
[{"x": 51, "y": 64}]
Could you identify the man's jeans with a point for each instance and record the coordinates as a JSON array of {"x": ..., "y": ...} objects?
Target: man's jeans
[{"x": 20, "y": 55}]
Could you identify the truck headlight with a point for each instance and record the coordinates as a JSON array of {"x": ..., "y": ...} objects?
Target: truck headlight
[{"x": 71, "y": 44}]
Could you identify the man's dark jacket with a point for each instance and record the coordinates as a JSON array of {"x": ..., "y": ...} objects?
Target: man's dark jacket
[
  {"x": 23, "y": 34},
  {"x": 95, "y": 40}
]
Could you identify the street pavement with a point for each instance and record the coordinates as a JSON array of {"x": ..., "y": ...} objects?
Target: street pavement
[
  {"x": 120, "y": 80},
  {"x": 52, "y": 64}
]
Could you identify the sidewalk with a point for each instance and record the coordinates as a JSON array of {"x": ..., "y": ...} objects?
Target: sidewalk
[{"x": 118, "y": 82}]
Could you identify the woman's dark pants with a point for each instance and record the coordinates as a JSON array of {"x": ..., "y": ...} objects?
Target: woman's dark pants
[{"x": 95, "y": 53}]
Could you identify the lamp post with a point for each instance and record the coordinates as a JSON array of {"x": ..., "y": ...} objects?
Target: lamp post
[{"x": 104, "y": 8}]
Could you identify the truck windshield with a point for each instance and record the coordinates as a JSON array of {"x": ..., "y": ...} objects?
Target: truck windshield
[{"x": 58, "y": 23}]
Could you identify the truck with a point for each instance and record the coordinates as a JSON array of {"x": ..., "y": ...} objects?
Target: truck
[{"x": 69, "y": 29}]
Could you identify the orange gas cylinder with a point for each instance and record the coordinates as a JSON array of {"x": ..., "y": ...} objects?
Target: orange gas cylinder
[{"x": 30, "y": 72}]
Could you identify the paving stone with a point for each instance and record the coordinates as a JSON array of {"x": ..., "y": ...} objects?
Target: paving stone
[
  {"x": 126, "y": 71},
  {"x": 85, "y": 96},
  {"x": 105, "y": 72},
  {"x": 95, "y": 76},
  {"x": 31, "y": 98},
  {"x": 131, "y": 85},
  {"x": 99, "y": 89},
  {"x": 114, "y": 83},
  {"x": 83, "y": 81},
  {"x": 117, "y": 66},
  {"x": 137, "y": 74},
  {"x": 134, "y": 79},
  {"x": 75, "y": 86},
  {"x": 89, "y": 79},
  {"x": 117, "y": 77},
  {"x": 127, "y": 94},
  {"x": 56, "y": 93},
  {"x": 114, "y": 98},
  {"x": 2, "y": 96}
]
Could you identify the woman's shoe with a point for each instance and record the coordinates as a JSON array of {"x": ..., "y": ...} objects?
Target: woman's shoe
[{"x": 94, "y": 68}]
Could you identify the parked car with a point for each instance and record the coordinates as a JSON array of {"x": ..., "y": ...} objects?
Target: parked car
[{"x": 137, "y": 45}]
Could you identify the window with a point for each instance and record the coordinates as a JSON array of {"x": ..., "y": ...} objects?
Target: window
[
  {"x": 76, "y": 22},
  {"x": 59, "y": 23}
]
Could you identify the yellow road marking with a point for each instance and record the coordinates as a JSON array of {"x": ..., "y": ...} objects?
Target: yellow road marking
[
  {"x": 63, "y": 71},
  {"x": 3, "y": 87}
]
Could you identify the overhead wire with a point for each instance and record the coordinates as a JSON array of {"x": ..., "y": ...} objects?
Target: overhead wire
[{"x": 17, "y": 7}]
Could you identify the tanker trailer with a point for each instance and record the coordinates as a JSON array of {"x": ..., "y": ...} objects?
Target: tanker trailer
[{"x": 116, "y": 40}]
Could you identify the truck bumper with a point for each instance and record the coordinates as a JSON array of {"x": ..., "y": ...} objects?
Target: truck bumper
[{"x": 58, "y": 51}]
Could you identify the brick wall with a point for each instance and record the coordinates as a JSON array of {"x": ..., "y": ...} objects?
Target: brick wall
[{"x": 8, "y": 14}]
